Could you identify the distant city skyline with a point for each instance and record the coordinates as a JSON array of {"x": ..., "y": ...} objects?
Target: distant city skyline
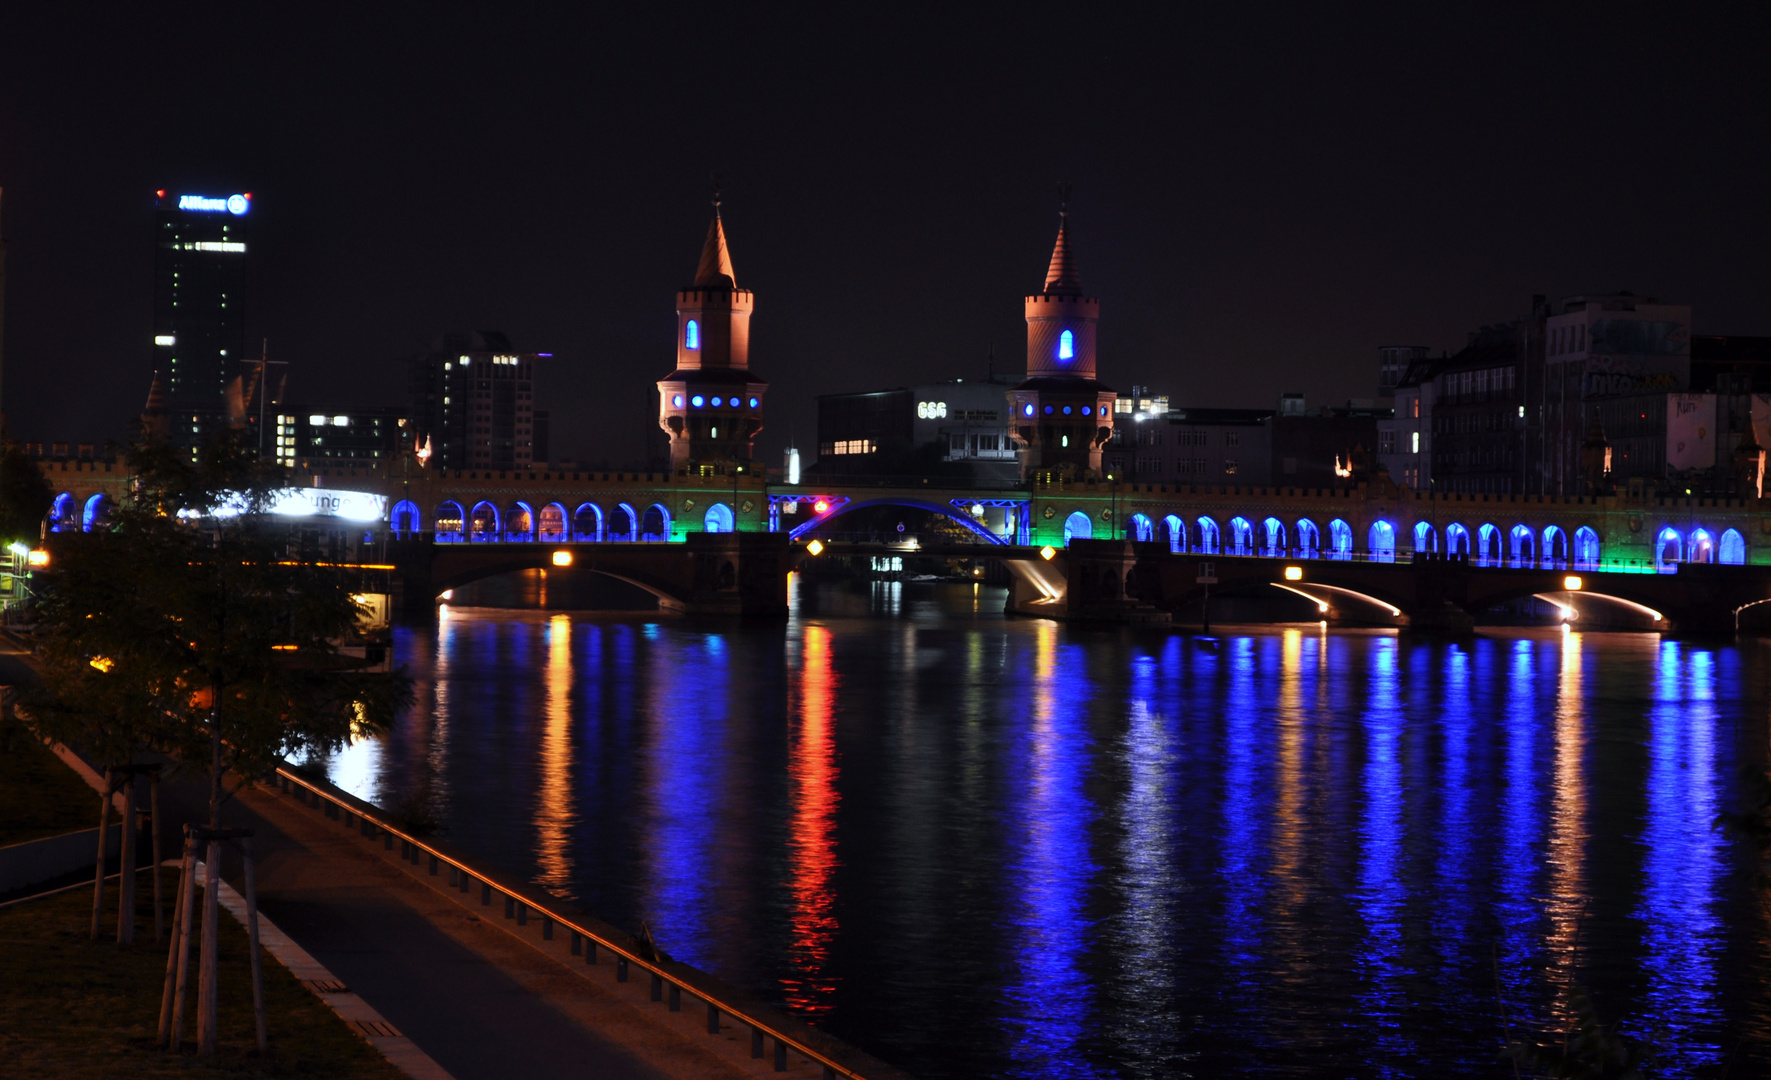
[{"x": 1261, "y": 202}]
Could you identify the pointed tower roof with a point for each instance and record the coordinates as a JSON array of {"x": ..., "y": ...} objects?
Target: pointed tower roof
[
  {"x": 156, "y": 396},
  {"x": 1061, "y": 276},
  {"x": 715, "y": 270}
]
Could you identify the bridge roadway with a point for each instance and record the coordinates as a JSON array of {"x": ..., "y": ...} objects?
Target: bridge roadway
[{"x": 671, "y": 533}]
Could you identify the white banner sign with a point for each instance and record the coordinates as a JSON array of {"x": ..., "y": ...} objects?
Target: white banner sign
[{"x": 1690, "y": 431}]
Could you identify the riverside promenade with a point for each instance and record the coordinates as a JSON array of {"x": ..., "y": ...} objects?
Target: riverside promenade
[{"x": 483, "y": 995}]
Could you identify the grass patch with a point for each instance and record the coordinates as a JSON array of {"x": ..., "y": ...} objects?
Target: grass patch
[
  {"x": 79, "y": 1009},
  {"x": 39, "y": 795}
]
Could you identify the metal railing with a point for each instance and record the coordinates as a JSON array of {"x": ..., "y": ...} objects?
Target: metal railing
[{"x": 522, "y": 900}]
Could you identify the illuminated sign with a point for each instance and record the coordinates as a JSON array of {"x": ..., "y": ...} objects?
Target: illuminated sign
[
  {"x": 931, "y": 410},
  {"x": 232, "y": 204},
  {"x": 327, "y": 502}
]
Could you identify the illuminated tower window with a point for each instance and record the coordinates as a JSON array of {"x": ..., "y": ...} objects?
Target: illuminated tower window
[
  {"x": 1066, "y": 346},
  {"x": 692, "y": 336}
]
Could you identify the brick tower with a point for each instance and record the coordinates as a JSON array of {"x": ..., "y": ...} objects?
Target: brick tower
[
  {"x": 711, "y": 406},
  {"x": 1063, "y": 415}
]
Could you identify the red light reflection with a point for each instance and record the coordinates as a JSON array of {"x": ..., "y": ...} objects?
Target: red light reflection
[{"x": 811, "y": 831}]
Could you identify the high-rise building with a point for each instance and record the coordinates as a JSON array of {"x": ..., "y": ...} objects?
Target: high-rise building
[
  {"x": 199, "y": 308},
  {"x": 473, "y": 400},
  {"x": 348, "y": 437}
]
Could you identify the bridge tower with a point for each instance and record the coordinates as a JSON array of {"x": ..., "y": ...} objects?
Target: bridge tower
[
  {"x": 1062, "y": 415},
  {"x": 711, "y": 406}
]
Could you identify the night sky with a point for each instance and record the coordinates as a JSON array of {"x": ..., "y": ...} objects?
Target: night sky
[{"x": 1263, "y": 197}]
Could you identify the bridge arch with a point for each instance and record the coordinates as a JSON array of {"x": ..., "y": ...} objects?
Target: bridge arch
[
  {"x": 405, "y": 519},
  {"x": 1426, "y": 538},
  {"x": 1701, "y": 548},
  {"x": 624, "y": 524},
  {"x": 1457, "y": 540},
  {"x": 1208, "y": 536},
  {"x": 1488, "y": 551},
  {"x": 1078, "y": 527},
  {"x": 450, "y": 521},
  {"x": 1174, "y": 531},
  {"x": 1733, "y": 548},
  {"x": 1275, "y": 537},
  {"x": 946, "y": 510},
  {"x": 1380, "y": 541},
  {"x": 61, "y": 512},
  {"x": 1524, "y": 545},
  {"x": 655, "y": 526},
  {"x": 1340, "y": 540},
  {"x": 552, "y": 526},
  {"x": 1309, "y": 539},
  {"x": 1669, "y": 549},
  {"x": 521, "y": 559},
  {"x": 718, "y": 519},
  {"x": 519, "y": 523},
  {"x": 1555, "y": 547},
  {"x": 97, "y": 513},
  {"x": 587, "y": 523},
  {"x": 1241, "y": 537},
  {"x": 1141, "y": 528},
  {"x": 483, "y": 522},
  {"x": 1587, "y": 548}
]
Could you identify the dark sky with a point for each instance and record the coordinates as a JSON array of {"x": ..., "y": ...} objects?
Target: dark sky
[{"x": 1263, "y": 195}]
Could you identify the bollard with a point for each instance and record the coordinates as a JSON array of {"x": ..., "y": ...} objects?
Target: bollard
[
  {"x": 657, "y": 987},
  {"x": 756, "y": 1042},
  {"x": 712, "y": 1018},
  {"x": 577, "y": 943},
  {"x": 510, "y": 907},
  {"x": 546, "y": 928},
  {"x": 676, "y": 998},
  {"x": 780, "y": 1054},
  {"x": 621, "y": 970}
]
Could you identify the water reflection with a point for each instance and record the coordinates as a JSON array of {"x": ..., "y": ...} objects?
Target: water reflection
[{"x": 984, "y": 846}]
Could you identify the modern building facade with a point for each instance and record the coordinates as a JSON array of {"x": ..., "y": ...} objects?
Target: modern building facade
[
  {"x": 954, "y": 428},
  {"x": 711, "y": 406},
  {"x": 473, "y": 402},
  {"x": 199, "y": 309},
  {"x": 350, "y": 437}
]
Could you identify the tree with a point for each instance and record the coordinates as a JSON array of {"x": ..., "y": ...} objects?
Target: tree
[
  {"x": 199, "y": 625},
  {"x": 24, "y": 496}
]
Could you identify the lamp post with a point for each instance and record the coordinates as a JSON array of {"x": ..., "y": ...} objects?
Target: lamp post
[{"x": 736, "y": 469}]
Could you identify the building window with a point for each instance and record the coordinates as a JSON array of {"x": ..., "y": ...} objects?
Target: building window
[
  {"x": 1414, "y": 442},
  {"x": 692, "y": 335},
  {"x": 1232, "y": 438},
  {"x": 1386, "y": 442},
  {"x": 1066, "y": 346},
  {"x": 850, "y": 446},
  {"x": 1414, "y": 407},
  {"x": 1230, "y": 466}
]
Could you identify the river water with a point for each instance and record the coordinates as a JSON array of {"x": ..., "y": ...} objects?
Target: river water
[{"x": 989, "y": 846}]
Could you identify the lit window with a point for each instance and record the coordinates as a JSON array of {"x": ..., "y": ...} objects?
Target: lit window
[
  {"x": 341, "y": 421},
  {"x": 1085, "y": 410},
  {"x": 677, "y": 401},
  {"x": 753, "y": 403},
  {"x": 697, "y": 401},
  {"x": 314, "y": 420},
  {"x": 715, "y": 403},
  {"x": 692, "y": 336},
  {"x": 1048, "y": 410},
  {"x": 1414, "y": 442},
  {"x": 165, "y": 339},
  {"x": 1026, "y": 410},
  {"x": 1066, "y": 410},
  {"x": 1066, "y": 346}
]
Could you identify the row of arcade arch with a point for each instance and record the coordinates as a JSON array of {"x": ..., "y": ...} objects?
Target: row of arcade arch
[
  {"x": 1485, "y": 545},
  {"x": 551, "y": 523},
  {"x": 70, "y": 513}
]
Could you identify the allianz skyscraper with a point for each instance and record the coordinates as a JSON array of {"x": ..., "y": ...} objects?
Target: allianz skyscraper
[{"x": 199, "y": 307}]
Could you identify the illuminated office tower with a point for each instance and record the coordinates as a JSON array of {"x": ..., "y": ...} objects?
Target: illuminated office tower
[
  {"x": 199, "y": 309},
  {"x": 473, "y": 402}
]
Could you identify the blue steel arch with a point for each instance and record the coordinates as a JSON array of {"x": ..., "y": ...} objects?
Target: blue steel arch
[{"x": 948, "y": 512}]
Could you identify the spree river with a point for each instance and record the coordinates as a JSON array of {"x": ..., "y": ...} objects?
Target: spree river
[{"x": 989, "y": 846}]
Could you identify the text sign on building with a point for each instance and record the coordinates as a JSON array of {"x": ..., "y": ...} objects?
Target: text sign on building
[
  {"x": 229, "y": 204},
  {"x": 328, "y": 502}
]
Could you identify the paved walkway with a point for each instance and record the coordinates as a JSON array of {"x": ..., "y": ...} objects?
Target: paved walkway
[{"x": 479, "y": 1000}]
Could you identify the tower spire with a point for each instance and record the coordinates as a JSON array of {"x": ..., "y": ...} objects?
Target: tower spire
[
  {"x": 715, "y": 269},
  {"x": 1061, "y": 275}
]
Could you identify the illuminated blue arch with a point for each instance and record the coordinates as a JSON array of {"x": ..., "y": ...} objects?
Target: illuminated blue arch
[
  {"x": 1488, "y": 551},
  {"x": 1340, "y": 540},
  {"x": 946, "y": 510},
  {"x": 1426, "y": 538},
  {"x": 1555, "y": 547},
  {"x": 482, "y": 523},
  {"x": 587, "y": 523},
  {"x": 1586, "y": 548},
  {"x": 450, "y": 522},
  {"x": 61, "y": 512},
  {"x": 1174, "y": 530},
  {"x": 1241, "y": 537},
  {"x": 405, "y": 519},
  {"x": 1066, "y": 346},
  {"x": 1733, "y": 548},
  {"x": 1457, "y": 540},
  {"x": 553, "y": 514},
  {"x": 96, "y": 514},
  {"x": 1380, "y": 541},
  {"x": 1701, "y": 548},
  {"x": 1669, "y": 549},
  {"x": 629, "y": 519},
  {"x": 1078, "y": 527},
  {"x": 718, "y": 519},
  {"x": 1523, "y": 542},
  {"x": 655, "y": 526},
  {"x": 1141, "y": 528},
  {"x": 519, "y": 522},
  {"x": 1208, "y": 536},
  {"x": 1309, "y": 539},
  {"x": 1274, "y": 534},
  {"x": 692, "y": 335}
]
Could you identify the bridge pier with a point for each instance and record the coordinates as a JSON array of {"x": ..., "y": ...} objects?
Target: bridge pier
[{"x": 735, "y": 573}]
